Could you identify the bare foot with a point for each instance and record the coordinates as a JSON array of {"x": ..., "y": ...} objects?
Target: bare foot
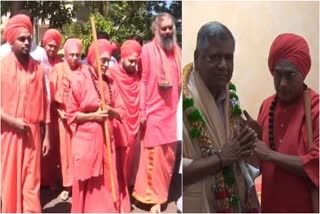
[{"x": 155, "y": 208}]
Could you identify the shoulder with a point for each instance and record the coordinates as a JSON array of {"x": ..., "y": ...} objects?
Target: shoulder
[{"x": 147, "y": 46}]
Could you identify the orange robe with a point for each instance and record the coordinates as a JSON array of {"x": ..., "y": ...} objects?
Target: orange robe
[
  {"x": 49, "y": 170},
  {"x": 22, "y": 96},
  {"x": 91, "y": 191},
  {"x": 129, "y": 89},
  {"x": 283, "y": 191},
  {"x": 158, "y": 146},
  {"x": 59, "y": 89}
]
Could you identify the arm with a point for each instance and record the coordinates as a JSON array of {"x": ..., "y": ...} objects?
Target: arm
[
  {"x": 144, "y": 82},
  {"x": 200, "y": 168},
  {"x": 15, "y": 123}
]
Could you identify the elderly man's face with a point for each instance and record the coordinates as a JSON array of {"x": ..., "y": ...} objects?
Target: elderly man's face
[
  {"x": 21, "y": 46},
  {"x": 166, "y": 33},
  {"x": 73, "y": 59},
  {"x": 288, "y": 81},
  {"x": 215, "y": 64},
  {"x": 104, "y": 60}
]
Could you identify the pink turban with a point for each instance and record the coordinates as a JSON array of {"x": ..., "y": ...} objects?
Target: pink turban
[
  {"x": 104, "y": 46},
  {"x": 293, "y": 48},
  {"x": 14, "y": 27},
  {"x": 129, "y": 47},
  {"x": 52, "y": 35},
  {"x": 72, "y": 45}
]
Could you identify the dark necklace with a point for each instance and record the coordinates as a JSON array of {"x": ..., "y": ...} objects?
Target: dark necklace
[{"x": 271, "y": 122}]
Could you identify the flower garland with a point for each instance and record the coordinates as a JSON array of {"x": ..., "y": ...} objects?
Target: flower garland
[{"x": 225, "y": 179}]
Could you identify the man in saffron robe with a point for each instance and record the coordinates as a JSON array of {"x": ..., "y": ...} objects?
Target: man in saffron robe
[
  {"x": 127, "y": 80},
  {"x": 24, "y": 106},
  {"x": 59, "y": 88},
  {"x": 49, "y": 171},
  {"x": 160, "y": 90},
  {"x": 290, "y": 167},
  {"x": 91, "y": 190}
]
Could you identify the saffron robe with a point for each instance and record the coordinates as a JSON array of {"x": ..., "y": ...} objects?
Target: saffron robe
[
  {"x": 129, "y": 90},
  {"x": 159, "y": 106},
  {"x": 283, "y": 191},
  {"x": 22, "y": 96},
  {"x": 91, "y": 190},
  {"x": 59, "y": 89}
]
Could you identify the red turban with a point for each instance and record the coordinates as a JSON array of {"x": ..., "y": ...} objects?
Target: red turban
[
  {"x": 72, "y": 45},
  {"x": 14, "y": 27},
  {"x": 293, "y": 48},
  {"x": 52, "y": 35},
  {"x": 130, "y": 47},
  {"x": 104, "y": 46},
  {"x": 115, "y": 46}
]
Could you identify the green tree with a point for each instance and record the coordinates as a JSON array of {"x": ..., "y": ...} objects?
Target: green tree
[{"x": 58, "y": 13}]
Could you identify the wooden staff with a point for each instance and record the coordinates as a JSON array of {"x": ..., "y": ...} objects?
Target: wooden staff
[
  {"x": 307, "y": 108},
  {"x": 103, "y": 106}
]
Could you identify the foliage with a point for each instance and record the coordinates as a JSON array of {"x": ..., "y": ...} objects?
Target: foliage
[
  {"x": 57, "y": 12},
  {"x": 122, "y": 20}
]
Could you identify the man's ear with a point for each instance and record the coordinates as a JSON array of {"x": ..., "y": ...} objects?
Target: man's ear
[{"x": 196, "y": 58}]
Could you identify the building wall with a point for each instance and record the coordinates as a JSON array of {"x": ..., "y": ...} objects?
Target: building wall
[{"x": 255, "y": 25}]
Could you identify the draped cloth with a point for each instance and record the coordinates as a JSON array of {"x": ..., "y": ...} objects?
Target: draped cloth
[
  {"x": 91, "y": 190},
  {"x": 22, "y": 96},
  {"x": 162, "y": 67},
  {"x": 281, "y": 190},
  {"x": 129, "y": 90},
  {"x": 158, "y": 105},
  {"x": 60, "y": 87},
  {"x": 198, "y": 197}
]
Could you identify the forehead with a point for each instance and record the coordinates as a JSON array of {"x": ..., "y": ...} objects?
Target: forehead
[
  {"x": 105, "y": 55},
  {"x": 165, "y": 21},
  {"x": 52, "y": 43},
  {"x": 24, "y": 33},
  {"x": 285, "y": 66},
  {"x": 74, "y": 51},
  {"x": 133, "y": 56},
  {"x": 216, "y": 46}
]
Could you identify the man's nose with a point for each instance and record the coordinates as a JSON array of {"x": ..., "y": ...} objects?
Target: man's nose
[{"x": 222, "y": 63}]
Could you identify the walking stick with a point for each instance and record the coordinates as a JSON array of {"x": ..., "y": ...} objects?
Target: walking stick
[
  {"x": 307, "y": 108},
  {"x": 106, "y": 130}
]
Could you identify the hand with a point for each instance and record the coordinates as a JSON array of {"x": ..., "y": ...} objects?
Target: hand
[
  {"x": 45, "y": 147},
  {"x": 239, "y": 147},
  {"x": 143, "y": 125},
  {"x": 21, "y": 126},
  {"x": 62, "y": 114},
  {"x": 100, "y": 115},
  {"x": 253, "y": 124},
  {"x": 263, "y": 152}
]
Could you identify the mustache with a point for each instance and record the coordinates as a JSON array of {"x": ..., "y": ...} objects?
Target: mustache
[{"x": 167, "y": 42}]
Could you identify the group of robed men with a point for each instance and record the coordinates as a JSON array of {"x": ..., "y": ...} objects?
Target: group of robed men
[{"x": 52, "y": 114}]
